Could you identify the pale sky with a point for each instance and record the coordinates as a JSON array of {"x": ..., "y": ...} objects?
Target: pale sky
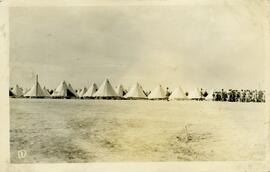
[{"x": 209, "y": 46}]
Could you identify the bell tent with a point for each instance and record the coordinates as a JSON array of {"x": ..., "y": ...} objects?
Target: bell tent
[
  {"x": 72, "y": 90},
  {"x": 46, "y": 92},
  {"x": 106, "y": 91},
  {"x": 178, "y": 94},
  {"x": 91, "y": 91},
  {"x": 63, "y": 91},
  {"x": 26, "y": 90},
  {"x": 157, "y": 94},
  {"x": 195, "y": 94},
  {"x": 210, "y": 95},
  {"x": 36, "y": 91},
  {"x": 17, "y": 91},
  {"x": 82, "y": 92},
  {"x": 136, "y": 92},
  {"x": 120, "y": 90}
]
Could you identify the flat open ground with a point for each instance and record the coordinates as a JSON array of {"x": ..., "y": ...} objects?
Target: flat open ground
[{"x": 106, "y": 130}]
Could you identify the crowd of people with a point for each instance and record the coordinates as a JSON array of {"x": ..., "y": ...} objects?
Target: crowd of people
[
  {"x": 239, "y": 95},
  {"x": 231, "y": 95}
]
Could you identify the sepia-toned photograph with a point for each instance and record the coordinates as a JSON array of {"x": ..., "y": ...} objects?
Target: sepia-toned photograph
[{"x": 151, "y": 83}]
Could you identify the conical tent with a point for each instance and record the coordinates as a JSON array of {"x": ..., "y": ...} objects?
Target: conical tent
[
  {"x": 36, "y": 91},
  {"x": 17, "y": 91},
  {"x": 210, "y": 95},
  {"x": 21, "y": 89},
  {"x": 195, "y": 94},
  {"x": 63, "y": 91},
  {"x": 91, "y": 91},
  {"x": 157, "y": 93},
  {"x": 72, "y": 90},
  {"x": 106, "y": 90},
  {"x": 145, "y": 92},
  {"x": 120, "y": 90},
  {"x": 82, "y": 92},
  {"x": 136, "y": 92},
  {"x": 178, "y": 94},
  {"x": 46, "y": 93},
  {"x": 26, "y": 90}
]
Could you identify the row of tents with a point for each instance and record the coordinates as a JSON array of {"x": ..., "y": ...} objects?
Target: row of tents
[{"x": 105, "y": 91}]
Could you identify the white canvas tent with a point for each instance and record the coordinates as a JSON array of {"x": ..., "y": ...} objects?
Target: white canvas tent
[
  {"x": 157, "y": 94},
  {"x": 106, "y": 90},
  {"x": 195, "y": 94},
  {"x": 136, "y": 92},
  {"x": 17, "y": 91},
  {"x": 26, "y": 90},
  {"x": 120, "y": 90},
  {"x": 91, "y": 91},
  {"x": 72, "y": 90},
  {"x": 63, "y": 91},
  {"x": 178, "y": 94},
  {"x": 36, "y": 91},
  {"x": 21, "y": 89},
  {"x": 210, "y": 95},
  {"x": 82, "y": 92},
  {"x": 46, "y": 93}
]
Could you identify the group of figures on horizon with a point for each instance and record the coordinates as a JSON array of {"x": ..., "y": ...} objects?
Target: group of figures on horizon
[
  {"x": 239, "y": 95},
  {"x": 106, "y": 91}
]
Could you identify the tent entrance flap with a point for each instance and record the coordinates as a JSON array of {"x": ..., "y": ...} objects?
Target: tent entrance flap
[{"x": 70, "y": 94}]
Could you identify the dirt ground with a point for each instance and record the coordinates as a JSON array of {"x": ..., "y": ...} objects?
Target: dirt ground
[{"x": 127, "y": 130}]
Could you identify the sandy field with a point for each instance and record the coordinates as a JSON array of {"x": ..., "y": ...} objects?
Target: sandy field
[{"x": 127, "y": 130}]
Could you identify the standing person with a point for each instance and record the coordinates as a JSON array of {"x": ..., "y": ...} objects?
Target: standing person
[
  {"x": 233, "y": 95},
  {"x": 256, "y": 95},
  {"x": 214, "y": 95},
  {"x": 263, "y": 96},
  {"x": 201, "y": 94},
  {"x": 242, "y": 96},
  {"x": 230, "y": 95},
  {"x": 260, "y": 96},
  {"x": 218, "y": 96},
  {"x": 237, "y": 95},
  {"x": 224, "y": 95},
  {"x": 167, "y": 93}
]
